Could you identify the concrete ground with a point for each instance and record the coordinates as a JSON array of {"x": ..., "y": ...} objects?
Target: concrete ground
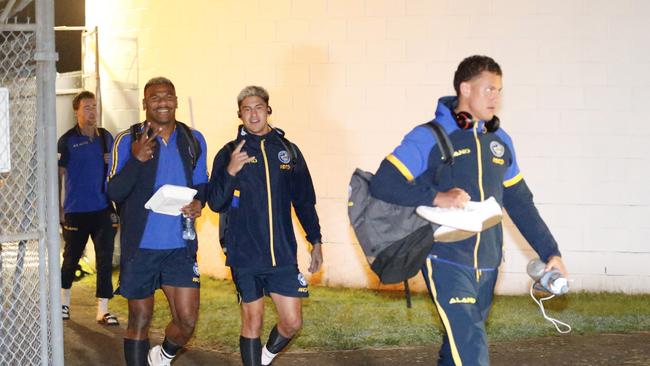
[{"x": 88, "y": 343}]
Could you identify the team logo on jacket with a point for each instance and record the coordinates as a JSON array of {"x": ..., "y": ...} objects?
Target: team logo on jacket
[
  {"x": 302, "y": 279},
  {"x": 283, "y": 156},
  {"x": 497, "y": 149}
]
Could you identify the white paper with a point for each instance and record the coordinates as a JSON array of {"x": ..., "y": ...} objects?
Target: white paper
[{"x": 169, "y": 199}]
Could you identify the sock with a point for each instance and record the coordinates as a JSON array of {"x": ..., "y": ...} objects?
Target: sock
[
  {"x": 65, "y": 297},
  {"x": 135, "y": 351},
  {"x": 102, "y": 307},
  {"x": 267, "y": 356},
  {"x": 274, "y": 345},
  {"x": 169, "y": 348},
  {"x": 250, "y": 350}
]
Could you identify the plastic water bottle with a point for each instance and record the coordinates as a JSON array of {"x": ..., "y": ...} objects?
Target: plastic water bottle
[
  {"x": 188, "y": 228},
  {"x": 551, "y": 281}
]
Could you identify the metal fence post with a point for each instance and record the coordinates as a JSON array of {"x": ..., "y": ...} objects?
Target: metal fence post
[{"x": 46, "y": 58}]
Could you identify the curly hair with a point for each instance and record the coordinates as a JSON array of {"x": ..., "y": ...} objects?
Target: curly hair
[
  {"x": 159, "y": 80},
  {"x": 472, "y": 67}
]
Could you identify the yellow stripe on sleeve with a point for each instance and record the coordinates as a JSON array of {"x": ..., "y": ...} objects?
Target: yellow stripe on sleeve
[
  {"x": 512, "y": 181},
  {"x": 116, "y": 143},
  {"x": 400, "y": 166}
]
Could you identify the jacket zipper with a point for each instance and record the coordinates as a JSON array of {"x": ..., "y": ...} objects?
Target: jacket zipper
[
  {"x": 270, "y": 203},
  {"x": 479, "y": 160}
]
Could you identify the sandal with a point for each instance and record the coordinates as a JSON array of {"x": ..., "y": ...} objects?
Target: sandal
[
  {"x": 109, "y": 320},
  {"x": 65, "y": 312}
]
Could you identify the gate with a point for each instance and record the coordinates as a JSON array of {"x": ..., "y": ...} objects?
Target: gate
[{"x": 30, "y": 321}]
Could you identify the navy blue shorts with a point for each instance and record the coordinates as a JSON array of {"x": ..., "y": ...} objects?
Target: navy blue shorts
[
  {"x": 254, "y": 283},
  {"x": 149, "y": 269}
]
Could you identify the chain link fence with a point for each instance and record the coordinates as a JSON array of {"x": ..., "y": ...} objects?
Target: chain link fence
[
  {"x": 26, "y": 321},
  {"x": 19, "y": 219}
]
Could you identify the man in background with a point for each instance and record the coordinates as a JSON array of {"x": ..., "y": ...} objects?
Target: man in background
[{"x": 86, "y": 211}]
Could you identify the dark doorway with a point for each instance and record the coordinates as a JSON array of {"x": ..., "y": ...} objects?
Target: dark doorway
[{"x": 71, "y": 13}]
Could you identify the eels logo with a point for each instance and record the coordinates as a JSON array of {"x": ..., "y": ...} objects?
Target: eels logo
[
  {"x": 497, "y": 149},
  {"x": 302, "y": 280},
  {"x": 283, "y": 156}
]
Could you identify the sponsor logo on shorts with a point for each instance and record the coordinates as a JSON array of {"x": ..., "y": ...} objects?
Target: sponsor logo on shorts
[
  {"x": 302, "y": 279},
  {"x": 497, "y": 149},
  {"x": 195, "y": 268},
  {"x": 464, "y": 300}
]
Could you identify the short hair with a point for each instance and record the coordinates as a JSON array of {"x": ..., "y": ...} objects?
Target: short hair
[
  {"x": 252, "y": 91},
  {"x": 472, "y": 67},
  {"x": 83, "y": 95},
  {"x": 159, "y": 80}
]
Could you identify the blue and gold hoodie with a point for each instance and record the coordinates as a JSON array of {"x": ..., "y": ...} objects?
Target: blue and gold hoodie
[
  {"x": 259, "y": 199},
  {"x": 484, "y": 165}
]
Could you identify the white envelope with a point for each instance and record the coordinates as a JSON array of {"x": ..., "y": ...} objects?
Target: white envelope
[{"x": 169, "y": 199}]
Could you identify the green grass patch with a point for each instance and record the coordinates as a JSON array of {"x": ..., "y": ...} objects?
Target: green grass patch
[{"x": 339, "y": 318}]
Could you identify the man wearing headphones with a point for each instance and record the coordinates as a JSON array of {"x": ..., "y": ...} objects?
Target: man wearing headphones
[
  {"x": 461, "y": 275},
  {"x": 255, "y": 180}
]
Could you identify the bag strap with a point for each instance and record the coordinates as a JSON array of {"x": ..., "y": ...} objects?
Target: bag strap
[
  {"x": 195, "y": 148},
  {"x": 102, "y": 137},
  {"x": 290, "y": 148},
  {"x": 445, "y": 146},
  {"x": 103, "y": 133}
]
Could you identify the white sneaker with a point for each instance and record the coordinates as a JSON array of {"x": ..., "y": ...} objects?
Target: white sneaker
[
  {"x": 488, "y": 211},
  {"x": 157, "y": 357},
  {"x": 473, "y": 218},
  {"x": 458, "y": 218},
  {"x": 446, "y": 234}
]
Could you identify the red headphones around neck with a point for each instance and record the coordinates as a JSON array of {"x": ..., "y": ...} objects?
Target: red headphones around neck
[{"x": 465, "y": 121}]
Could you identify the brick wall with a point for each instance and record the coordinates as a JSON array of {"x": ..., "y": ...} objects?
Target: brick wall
[{"x": 348, "y": 78}]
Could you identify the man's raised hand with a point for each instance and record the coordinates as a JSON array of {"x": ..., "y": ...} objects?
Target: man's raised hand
[
  {"x": 144, "y": 147},
  {"x": 238, "y": 159}
]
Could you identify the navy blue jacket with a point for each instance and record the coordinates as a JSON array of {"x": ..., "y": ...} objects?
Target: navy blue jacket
[
  {"x": 484, "y": 165},
  {"x": 131, "y": 183},
  {"x": 259, "y": 199}
]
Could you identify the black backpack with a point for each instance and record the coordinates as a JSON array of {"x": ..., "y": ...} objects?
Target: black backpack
[
  {"x": 395, "y": 240},
  {"x": 223, "y": 216}
]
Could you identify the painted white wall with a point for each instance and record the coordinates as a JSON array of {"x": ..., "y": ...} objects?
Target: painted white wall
[{"x": 348, "y": 78}]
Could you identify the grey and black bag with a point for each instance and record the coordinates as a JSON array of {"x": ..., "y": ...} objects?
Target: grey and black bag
[{"x": 395, "y": 240}]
